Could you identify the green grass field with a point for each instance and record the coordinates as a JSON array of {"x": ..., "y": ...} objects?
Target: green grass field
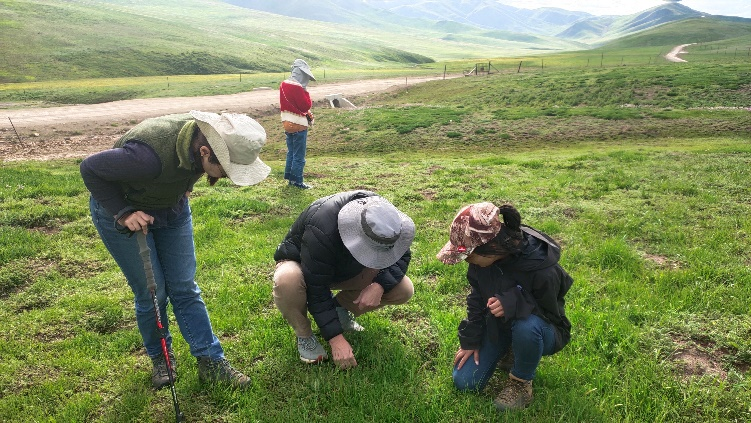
[{"x": 640, "y": 172}]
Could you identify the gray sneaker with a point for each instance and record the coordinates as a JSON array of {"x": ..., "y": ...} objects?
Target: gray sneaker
[
  {"x": 159, "y": 375},
  {"x": 310, "y": 350},
  {"x": 348, "y": 320},
  {"x": 220, "y": 371}
]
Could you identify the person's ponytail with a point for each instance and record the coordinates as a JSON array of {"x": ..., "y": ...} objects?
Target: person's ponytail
[
  {"x": 510, "y": 239},
  {"x": 511, "y": 217}
]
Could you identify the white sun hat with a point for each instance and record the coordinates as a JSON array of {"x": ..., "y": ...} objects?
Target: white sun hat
[
  {"x": 236, "y": 140},
  {"x": 375, "y": 232}
]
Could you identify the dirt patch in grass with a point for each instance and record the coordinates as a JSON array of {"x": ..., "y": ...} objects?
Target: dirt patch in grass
[
  {"x": 50, "y": 143},
  {"x": 569, "y": 213},
  {"x": 24, "y": 274},
  {"x": 47, "y": 230},
  {"x": 693, "y": 361},
  {"x": 53, "y": 333},
  {"x": 80, "y": 269},
  {"x": 419, "y": 333},
  {"x": 663, "y": 262},
  {"x": 434, "y": 168},
  {"x": 33, "y": 302},
  {"x": 428, "y": 194}
]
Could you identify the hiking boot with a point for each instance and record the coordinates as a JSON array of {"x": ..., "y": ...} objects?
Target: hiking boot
[
  {"x": 301, "y": 185},
  {"x": 310, "y": 350},
  {"x": 348, "y": 320},
  {"x": 220, "y": 371},
  {"x": 515, "y": 395},
  {"x": 507, "y": 362},
  {"x": 159, "y": 375}
]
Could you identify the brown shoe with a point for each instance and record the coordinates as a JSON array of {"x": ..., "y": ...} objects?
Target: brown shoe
[
  {"x": 220, "y": 371},
  {"x": 507, "y": 362},
  {"x": 515, "y": 395}
]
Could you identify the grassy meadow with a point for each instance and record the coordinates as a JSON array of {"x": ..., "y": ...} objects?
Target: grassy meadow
[{"x": 640, "y": 172}]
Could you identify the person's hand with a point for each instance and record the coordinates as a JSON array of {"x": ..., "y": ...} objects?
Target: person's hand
[
  {"x": 370, "y": 297},
  {"x": 462, "y": 356},
  {"x": 137, "y": 221},
  {"x": 342, "y": 353},
  {"x": 495, "y": 307}
]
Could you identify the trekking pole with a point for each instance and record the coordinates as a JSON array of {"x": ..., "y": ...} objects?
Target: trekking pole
[{"x": 145, "y": 252}]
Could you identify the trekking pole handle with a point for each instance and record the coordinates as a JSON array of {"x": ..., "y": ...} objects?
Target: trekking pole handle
[{"x": 145, "y": 253}]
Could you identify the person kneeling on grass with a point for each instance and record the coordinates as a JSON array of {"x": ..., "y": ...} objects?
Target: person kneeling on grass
[
  {"x": 142, "y": 184},
  {"x": 355, "y": 242},
  {"x": 515, "y": 310}
]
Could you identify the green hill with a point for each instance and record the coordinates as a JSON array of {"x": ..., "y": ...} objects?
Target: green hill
[
  {"x": 45, "y": 40},
  {"x": 600, "y": 29},
  {"x": 697, "y": 30},
  {"x": 50, "y": 40}
]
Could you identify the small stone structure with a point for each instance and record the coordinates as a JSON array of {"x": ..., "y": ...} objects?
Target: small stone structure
[{"x": 338, "y": 101}]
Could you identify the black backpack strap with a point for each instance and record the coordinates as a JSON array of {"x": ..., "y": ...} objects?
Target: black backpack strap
[{"x": 532, "y": 231}]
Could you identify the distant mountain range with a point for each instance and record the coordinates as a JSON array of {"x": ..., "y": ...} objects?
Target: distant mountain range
[{"x": 475, "y": 14}]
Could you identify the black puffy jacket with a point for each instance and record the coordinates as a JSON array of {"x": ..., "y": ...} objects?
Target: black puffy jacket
[
  {"x": 531, "y": 282},
  {"x": 315, "y": 243}
]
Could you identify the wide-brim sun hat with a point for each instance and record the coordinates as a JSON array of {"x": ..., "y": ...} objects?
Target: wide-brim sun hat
[
  {"x": 375, "y": 232},
  {"x": 236, "y": 140},
  {"x": 303, "y": 66}
]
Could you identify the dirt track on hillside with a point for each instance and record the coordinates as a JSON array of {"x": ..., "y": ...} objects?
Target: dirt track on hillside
[
  {"x": 673, "y": 55},
  {"x": 80, "y": 130}
]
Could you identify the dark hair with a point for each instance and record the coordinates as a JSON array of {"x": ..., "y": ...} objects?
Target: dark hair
[
  {"x": 199, "y": 140},
  {"x": 510, "y": 239}
]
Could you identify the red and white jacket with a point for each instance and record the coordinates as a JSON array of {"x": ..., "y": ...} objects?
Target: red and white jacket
[{"x": 294, "y": 102}]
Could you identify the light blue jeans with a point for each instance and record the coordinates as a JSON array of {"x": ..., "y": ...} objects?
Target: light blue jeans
[
  {"x": 174, "y": 263},
  {"x": 297, "y": 144},
  {"x": 530, "y": 338}
]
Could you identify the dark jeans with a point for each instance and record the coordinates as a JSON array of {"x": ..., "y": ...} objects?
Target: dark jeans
[
  {"x": 530, "y": 338},
  {"x": 296, "y": 147}
]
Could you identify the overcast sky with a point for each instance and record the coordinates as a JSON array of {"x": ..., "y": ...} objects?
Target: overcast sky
[{"x": 627, "y": 7}]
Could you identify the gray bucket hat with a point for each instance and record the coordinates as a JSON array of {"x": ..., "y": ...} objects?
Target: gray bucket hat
[
  {"x": 303, "y": 66},
  {"x": 375, "y": 232}
]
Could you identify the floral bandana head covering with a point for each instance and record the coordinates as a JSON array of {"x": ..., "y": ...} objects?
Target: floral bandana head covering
[{"x": 474, "y": 225}]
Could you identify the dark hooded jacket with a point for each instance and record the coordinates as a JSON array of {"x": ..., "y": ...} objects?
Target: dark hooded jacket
[
  {"x": 531, "y": 282},
  {"x": 315, "y": 243}
]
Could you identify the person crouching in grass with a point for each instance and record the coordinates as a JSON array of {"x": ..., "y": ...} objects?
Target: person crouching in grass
[{"x": 515, "y": 310}]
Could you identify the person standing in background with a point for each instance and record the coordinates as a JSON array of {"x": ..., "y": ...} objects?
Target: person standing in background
[{"x": 295, "y": 104}]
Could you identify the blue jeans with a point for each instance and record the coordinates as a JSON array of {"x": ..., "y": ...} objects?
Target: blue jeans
[
  {"x": 530, "y": 338},
  {"x": 297, "y": 143},
  {"x": 174, "y": 262}
]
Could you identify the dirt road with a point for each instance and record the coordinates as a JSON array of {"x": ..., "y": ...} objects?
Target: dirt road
[
  {"x": 673, "y": 55},
  {"x": 77, "y": 131}
]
